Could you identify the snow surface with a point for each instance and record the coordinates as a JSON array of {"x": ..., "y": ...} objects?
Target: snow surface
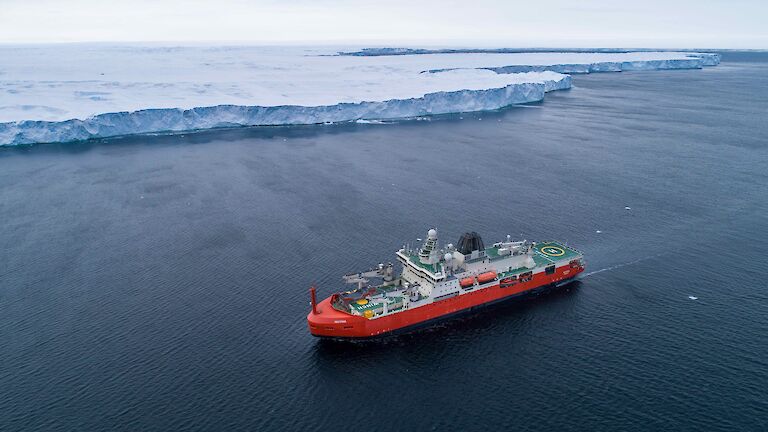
[{"x": 73, "y": 92}]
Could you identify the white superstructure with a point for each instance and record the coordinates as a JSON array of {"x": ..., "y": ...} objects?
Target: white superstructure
[{"x": 431, "y": 273}]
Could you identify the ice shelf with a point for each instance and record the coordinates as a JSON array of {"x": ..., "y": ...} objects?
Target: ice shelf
[{"x": 76, "y": 92}]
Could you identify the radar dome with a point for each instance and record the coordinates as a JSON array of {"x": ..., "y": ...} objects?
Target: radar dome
[
  {"x": 448, "y": 257},
  {"x": 432, "y": 234}
]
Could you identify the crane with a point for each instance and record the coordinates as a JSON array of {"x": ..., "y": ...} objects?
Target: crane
[{"x": 382, "y": 271}]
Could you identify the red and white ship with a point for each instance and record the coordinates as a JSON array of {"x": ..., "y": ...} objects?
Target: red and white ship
[{"x": 438, "y": 283}]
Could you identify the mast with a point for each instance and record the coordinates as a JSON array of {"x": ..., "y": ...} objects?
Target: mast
[{"x": 428, "y": 254}]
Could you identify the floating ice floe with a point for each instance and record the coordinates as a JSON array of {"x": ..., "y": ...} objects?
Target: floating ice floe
[
  {"x": 693, "y": 297},
  {"x": 363, "y": 121},
  {"x": 64, "y": 93}
]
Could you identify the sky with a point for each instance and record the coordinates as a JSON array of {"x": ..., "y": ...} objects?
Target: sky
[{"x": 543, "y": 23}]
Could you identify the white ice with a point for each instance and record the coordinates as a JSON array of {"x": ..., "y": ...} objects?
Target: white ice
[{"x": 72, "y": 92}]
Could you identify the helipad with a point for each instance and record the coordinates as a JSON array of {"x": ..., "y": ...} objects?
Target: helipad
[{"x": 554, "y": 251}]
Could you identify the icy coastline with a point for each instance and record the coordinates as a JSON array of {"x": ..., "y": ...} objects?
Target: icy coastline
[
  {"x": 200, "y": 118},
  {"x": 708, "y": 59},
  {"x": 100, "y": 92},
  {"x": 695, "y": 62}
]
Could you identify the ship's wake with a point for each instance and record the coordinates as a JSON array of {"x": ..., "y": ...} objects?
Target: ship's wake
[{"x": 614, "y": 267}]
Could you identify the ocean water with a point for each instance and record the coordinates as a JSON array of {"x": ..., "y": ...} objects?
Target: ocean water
[{"x": 160, "y": 283}]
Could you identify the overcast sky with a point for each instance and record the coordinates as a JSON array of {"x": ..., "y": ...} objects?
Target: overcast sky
[{"x": 543, "y": 23}]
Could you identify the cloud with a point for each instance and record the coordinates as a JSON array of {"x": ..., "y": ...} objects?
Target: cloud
[{"x": 671, "y": 23}]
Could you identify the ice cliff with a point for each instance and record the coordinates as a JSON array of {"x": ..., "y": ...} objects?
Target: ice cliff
[{"x": 72, "y": 93}]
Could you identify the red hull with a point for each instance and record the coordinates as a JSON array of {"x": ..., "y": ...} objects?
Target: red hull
[{"x": 329, "y": 322}]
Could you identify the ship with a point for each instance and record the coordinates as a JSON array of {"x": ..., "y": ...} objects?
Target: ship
[{"x": 437, "y": 283}]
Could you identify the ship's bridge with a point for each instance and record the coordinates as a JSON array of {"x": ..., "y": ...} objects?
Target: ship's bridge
[{"x": 431, "y": 272}]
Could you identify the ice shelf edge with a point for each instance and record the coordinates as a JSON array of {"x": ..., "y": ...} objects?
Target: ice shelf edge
[{"x": 170, "y": 120}]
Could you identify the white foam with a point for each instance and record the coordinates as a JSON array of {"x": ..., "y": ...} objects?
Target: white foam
[
  {"x": 620, "y": 265},
  {"x": 363, "y": 121}
]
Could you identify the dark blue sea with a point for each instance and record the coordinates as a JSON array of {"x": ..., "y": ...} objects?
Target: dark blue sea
[{"x": 160, "y": 283}]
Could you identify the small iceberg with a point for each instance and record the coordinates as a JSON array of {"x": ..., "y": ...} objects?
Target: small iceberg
[{"x": 693, "y": 297}]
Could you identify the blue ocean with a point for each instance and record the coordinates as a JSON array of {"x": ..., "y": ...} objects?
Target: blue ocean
[{"x": 160, "y": 283}]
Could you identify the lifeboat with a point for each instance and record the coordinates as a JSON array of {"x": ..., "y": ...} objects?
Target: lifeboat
[
  {"x": 508, "y": 281},
  {"x": 467, "y": 282},
  {"x": 486, "y": 277}
]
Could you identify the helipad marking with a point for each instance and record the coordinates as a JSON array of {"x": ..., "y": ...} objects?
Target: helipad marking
[{"x": 553, "y": 251}]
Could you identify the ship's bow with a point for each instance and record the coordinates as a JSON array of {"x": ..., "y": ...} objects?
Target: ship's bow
[{"x": 325, "y": 321}]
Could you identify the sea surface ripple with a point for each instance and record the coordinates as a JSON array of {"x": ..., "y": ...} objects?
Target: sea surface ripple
[{"x": 160, "y": 283}]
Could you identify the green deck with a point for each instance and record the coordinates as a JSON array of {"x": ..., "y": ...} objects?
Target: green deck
[
  {"x": 545, "y": 253},
  {"x": 370, "y": 305},
  {"x": 552, "y": 251},
  {"x": 429, "y": 267}
]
